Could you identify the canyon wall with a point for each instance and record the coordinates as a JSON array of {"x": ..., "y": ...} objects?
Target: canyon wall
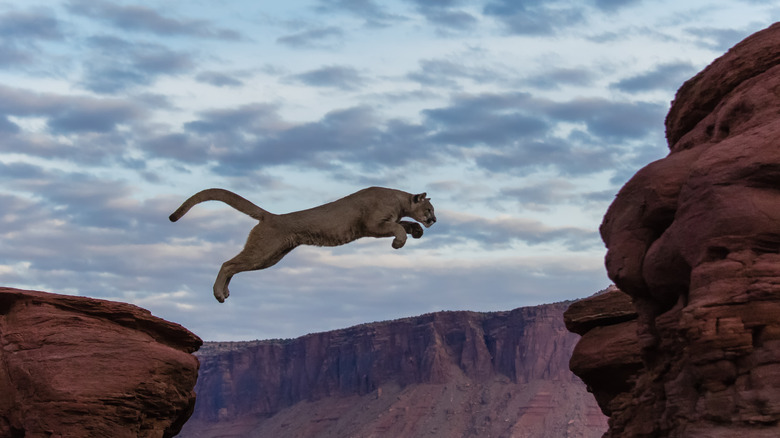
[{"x": 442, "y": 374}]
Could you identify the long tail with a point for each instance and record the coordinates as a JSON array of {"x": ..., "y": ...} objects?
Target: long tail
[{"x": 243, "y": 205}]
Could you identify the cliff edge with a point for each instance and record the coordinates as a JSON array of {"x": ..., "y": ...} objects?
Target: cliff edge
[
  {"x": 694, "y": 241},
  {"x": 81, "y": 367}
]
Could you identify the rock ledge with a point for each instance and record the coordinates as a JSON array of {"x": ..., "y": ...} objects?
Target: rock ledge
[{"x": 81, "y": 367}]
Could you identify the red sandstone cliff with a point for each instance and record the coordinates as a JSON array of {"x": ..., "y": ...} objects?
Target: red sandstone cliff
[
  {"x": 694, "y": 241},
  {"x": 462, "y": 374},
  {"x": 80, "y": 367}
]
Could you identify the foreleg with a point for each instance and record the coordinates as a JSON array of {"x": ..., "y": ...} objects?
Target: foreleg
[
  {"x": 412, "y": 228},
  {"x": 390, "y": 229}
]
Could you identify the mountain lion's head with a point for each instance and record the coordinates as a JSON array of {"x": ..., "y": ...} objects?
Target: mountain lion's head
[{"x": 422, "y": 210}]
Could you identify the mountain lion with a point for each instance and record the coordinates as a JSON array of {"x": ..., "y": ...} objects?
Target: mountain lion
[{"x": 371, "y": 212}]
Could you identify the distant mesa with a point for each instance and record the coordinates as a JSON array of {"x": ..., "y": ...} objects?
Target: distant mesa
[
  {"x": 81, "y": 367},
  {"x": 446, "y": 374},
  {"x": 693, "y": 346}
]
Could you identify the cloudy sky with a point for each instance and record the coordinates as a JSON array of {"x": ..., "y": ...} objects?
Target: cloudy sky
[{"x": 520, "y": 118}]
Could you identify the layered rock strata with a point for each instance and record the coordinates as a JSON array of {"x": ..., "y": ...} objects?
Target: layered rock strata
[
  {"x": 694, "y": 240},
  {"x": 607, "y": 357},
  {"x": 463, "y": 374},
  {"x": 81, "y": 367}
]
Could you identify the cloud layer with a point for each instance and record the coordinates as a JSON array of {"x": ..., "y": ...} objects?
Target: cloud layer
[{"x": 520, "y": 119}]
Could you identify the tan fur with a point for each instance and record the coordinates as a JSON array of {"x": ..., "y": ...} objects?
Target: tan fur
[{"x": 371, "y": 212}]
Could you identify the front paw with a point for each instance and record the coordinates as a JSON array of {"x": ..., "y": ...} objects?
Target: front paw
[
  {"x": 398, "y": 243},
  {"x": 416, "y": 230}
]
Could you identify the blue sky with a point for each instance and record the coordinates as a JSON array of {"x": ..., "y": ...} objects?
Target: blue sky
[{"x": 520, "y": 119}]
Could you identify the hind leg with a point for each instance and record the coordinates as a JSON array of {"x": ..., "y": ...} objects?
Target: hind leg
[
  {"x": 263, "y": 254},
  {"x": 226, "y": 272}
]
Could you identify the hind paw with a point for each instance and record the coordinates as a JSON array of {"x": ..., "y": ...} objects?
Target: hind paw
[{"x": 221, "y": 295}]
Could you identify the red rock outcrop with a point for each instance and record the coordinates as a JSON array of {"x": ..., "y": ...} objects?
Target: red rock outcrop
[
  {"x": 694, "y": 240},
  {"x": 463, "y": 374},
  {"x": 607, "y": 357},
  {"x": 81, "y": 367}
]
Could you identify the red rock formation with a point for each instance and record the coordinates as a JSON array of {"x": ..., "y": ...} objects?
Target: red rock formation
[
  {"x": 694, "y": 239},
  {"x": 443, "y": 374},
  {"x": 607, "y": 357},
  {"x": 81, "y": 367}
]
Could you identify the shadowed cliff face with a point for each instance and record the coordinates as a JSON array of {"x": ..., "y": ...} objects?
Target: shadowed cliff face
[
  {"x": 694, "y": 240},
  {"x": 452, "y": 373},
  {"x": 80, "y": 367}
]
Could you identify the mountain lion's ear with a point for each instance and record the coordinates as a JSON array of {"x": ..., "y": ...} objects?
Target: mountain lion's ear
[{"x": 419, "y": 198}]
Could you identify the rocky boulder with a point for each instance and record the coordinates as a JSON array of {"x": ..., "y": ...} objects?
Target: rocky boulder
[
  {"x": 694, "y": 240},
  {"x": 81, "y": 367}
]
